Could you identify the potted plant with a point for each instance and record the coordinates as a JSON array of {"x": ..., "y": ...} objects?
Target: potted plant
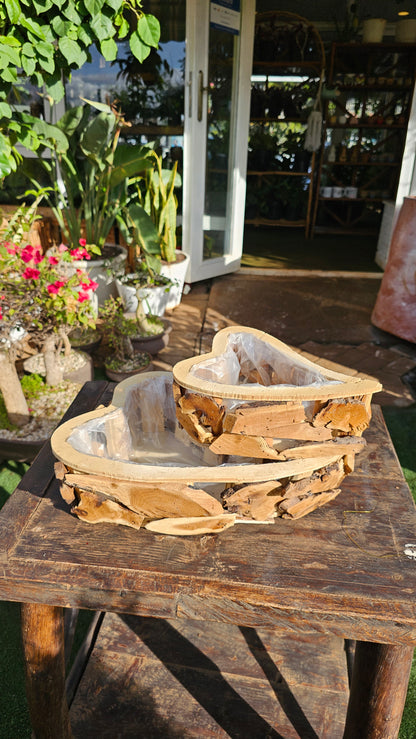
[
  {"x": 118, "y": 331},
  {"x": 89, "y": 173},
  {"x": 152, "y": 221},
  {"x": 39, "y": 306}
]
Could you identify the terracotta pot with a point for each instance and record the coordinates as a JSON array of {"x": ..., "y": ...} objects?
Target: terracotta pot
[
  {"x": 151, "y": 344},
  {"x": 119, "y": 375},
  {"x": 395, "y": 308}
]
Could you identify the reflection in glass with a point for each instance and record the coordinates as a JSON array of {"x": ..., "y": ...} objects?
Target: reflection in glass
[{"x": 221, "y": 54}]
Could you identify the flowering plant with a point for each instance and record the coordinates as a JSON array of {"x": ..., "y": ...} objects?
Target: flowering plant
[{"x": 41, "y": 298}]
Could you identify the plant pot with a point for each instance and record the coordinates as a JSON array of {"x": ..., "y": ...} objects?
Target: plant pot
[
  {"x": 78, "y": 366},
  {"x": 154, "y": 298},
  {"x": 151, "y": 344},
  {"x": 117, "y": 375},
  {"x": 373, "y": 30},
  {"x": 176, "y": 272},
  {"x": 86, "y": 341},
  {"x": 406, "y": 31}
]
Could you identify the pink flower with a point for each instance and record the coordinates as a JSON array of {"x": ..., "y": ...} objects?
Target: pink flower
[
  {"x": 37, "y": 256},
  {"x": 27, "y": 253},
  {"x": 54, "y": 287},
  {"x": 83, "y": 296},
  {"x": 62, "y": 248},
  {"x": 93, "y": 285},
  {"x": 82, "y": 242},
  {"x": 90, "y": 285},
  {"x": 53, "y": 260},
  {"x": 80, "y": 254},
  {"x": 11, "y": 248},
  {"x": 31, "y": 273}
]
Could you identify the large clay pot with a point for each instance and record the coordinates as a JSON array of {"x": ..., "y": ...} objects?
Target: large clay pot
[{"x": 395, "y": 308}]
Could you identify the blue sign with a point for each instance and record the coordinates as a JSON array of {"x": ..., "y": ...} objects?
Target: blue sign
[{"x": 225, "y": 15}]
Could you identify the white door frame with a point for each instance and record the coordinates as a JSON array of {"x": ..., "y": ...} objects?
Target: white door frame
[{"x": 195, "y": 134}]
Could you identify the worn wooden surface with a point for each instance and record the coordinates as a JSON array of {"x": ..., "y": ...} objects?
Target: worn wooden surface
[
  {"x": 169, "y": 678},
  {"x": 43, "y": 646},
  {"x": 345, "y": 568}
]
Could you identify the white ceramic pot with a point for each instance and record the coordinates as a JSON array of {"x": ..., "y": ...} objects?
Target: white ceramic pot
[
  {"x": 176, "y": 271},
  {"x": 103, "y": 272},
  {"x": 154, "y": 298},
  {"x": 406, "y": 31},
  {"x": 373, "y": 30}
]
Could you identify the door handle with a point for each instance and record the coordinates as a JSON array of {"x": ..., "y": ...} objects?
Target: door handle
[{"x": 201, "y": 90}]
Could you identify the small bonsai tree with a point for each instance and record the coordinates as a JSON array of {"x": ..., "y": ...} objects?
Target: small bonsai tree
[
  {"x": 117, "y": 331},
  {"x": 39, "y": 304}
]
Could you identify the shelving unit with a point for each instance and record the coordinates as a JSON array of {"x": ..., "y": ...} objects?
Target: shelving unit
[
  {"x": 287, "y": 67},
  {"x": 365, "y": 125}
]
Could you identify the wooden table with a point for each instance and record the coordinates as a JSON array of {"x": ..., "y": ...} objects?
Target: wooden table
[{"x": 348, "y": 569}]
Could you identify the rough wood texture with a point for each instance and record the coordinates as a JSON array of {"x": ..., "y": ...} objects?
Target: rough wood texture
[
  {"x": 43, "y": 646},
  {"x": 379, "y": 680},
  {"x": 348, "y": 415},
  {"x": 266, "y": 420},
  {"x": 192, "y": 526},
  {"x": 195, "y": 374},
  {"x": 186, "y": 679},
  {"x": 92, "y": 508},
  {"x": 345, "y": 570},
  {"x": 148, "y": 500}
]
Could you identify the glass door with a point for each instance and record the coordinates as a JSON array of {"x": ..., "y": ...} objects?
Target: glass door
[{"x": 217, "y": 100}]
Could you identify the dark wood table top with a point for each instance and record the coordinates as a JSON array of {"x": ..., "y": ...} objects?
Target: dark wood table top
[{"x": 348, "y": 568}]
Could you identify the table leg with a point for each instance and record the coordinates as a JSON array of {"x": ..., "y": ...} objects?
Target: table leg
[
  {"x": 43, "y": 645},
  {"x": 378, "y": 690}
]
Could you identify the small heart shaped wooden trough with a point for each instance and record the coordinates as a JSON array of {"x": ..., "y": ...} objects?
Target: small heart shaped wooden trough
[{"x": 225, "y": 452}]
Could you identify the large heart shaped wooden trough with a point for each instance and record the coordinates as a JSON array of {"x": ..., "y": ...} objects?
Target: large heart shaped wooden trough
[{"x": 136, "y": 463}]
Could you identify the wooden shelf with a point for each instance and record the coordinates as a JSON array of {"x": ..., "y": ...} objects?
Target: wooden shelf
[
  {"x": 273, "y": 172},
  {"x": 281, "y": 222},
  {"x": 362, "y": 91}
]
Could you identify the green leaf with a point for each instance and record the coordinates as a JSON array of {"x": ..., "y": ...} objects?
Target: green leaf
[
  {"x": 55, "y": 89},
  {"x": 94, "y": 6},
  {"x": 123, "y": 25},
  {"x": 45, "y": 50},
  {"x": 70, "y": 49},
  {"x": 102, "y": 27},
  {"x": 33, "y": 27},
  {"x": 28, "y": 50},
  {"x": 84, "y": 35},
  {"x": 115, "y": 4},
  {"x": 138, "y": 48},
  {"x": 70, "y": 12},
  {"x": 5, "y": 110},
  {"x": 29, "y": 65},
  {"x": 9, "y": 75},
  {"x": 148, "y": 28},
  {"x": 48, "y": 64},
  {"x": 96, "y": 134},
  {"x": 41, "y": 6},
  {"x": 50, "y": 135},
  {"x": 13, "y": 10},
  {"x": 109, "y": 49},
  {"x": 9, "y": 41},
  {"x": 60, "y": 26},
  {"x": 9, "y": 55}
]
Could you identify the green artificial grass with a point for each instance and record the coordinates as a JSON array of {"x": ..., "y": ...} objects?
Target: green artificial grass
[{"x": 14, "y": 719}]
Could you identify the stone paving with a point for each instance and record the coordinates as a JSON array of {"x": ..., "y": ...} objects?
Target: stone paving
[{"x": 327, "y": 315}]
